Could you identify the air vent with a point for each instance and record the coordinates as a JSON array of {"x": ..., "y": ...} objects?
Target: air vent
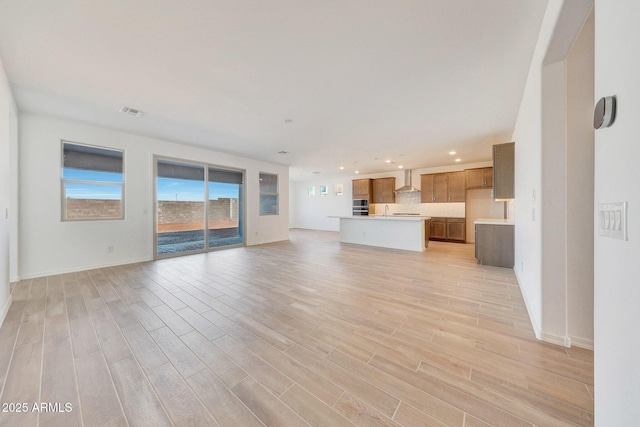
[{"x": 131, "y": 111}]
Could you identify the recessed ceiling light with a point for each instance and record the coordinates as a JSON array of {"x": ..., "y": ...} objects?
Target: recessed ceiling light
[
  {"x": 341, "y": 167},
  {"x": 288, "y": 120},
  {"x": 388, "y": 161},
  {"x": 283, "y": 152},
  {"x": 357, "y": 172},
  {"x": 458, "y": 160},
  {"x": 315, "y": 172},
  {"x": 400, "y": 167},
  {"x": 452, "y": 152}
]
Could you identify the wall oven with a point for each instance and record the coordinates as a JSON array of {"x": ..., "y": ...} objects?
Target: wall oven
[{"x": 360, "y": 207}]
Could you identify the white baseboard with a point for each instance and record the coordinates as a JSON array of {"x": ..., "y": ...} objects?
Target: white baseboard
[
  {"x": 5, "y": 310},
  {"x": 563, "y": 341},
  {"x": 556, "y": 339},
  {"x": 82, "y": 268},
  {"x": 527, "y": 304},
  {"x": 582, "y": 343},
  {"x": 14, "y": 279}
]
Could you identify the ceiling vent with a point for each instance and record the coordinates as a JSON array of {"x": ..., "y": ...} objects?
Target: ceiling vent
[{"x": 131, "y": 111}]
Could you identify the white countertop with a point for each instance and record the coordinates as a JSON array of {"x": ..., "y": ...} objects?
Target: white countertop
[
  {"x": 385, "y": 218},
  {"x": 494, "y": 221}
]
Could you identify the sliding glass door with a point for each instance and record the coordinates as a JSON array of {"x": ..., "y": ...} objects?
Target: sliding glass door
[
  {"x": 225, "y": 207},
  {"x": 197, "y": 207}
]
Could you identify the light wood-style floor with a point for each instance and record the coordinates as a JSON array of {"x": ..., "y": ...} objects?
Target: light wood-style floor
[{"x": 305, "y": 332}]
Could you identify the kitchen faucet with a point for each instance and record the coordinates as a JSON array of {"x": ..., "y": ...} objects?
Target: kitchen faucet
[{"x": 386, "y": 208}]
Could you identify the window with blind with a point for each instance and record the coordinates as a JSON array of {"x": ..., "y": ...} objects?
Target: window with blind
[{"x": 92, "y": 183}]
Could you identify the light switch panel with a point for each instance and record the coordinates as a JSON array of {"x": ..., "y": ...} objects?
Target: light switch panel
[{"x": 612, "y": 221}]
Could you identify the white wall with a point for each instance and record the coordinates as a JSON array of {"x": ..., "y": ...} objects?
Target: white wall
[
  {"x": 553, "y": 215},
  {"x": 480, "y": 204},
  {"x": 8, "y": 122},
  {"x": 14, "y": 205},
  {"x": 580, "y": 176},
  {"x": 50, "y": 246},
  {"x": 527, "y": 135},
  {"x": 552, "y": 156},
  {"x": 617, "y": 262},
  {"x": 312, "y": 212}
]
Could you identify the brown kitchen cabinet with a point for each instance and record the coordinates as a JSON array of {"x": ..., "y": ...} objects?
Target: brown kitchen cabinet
[
  {"x": 504, "y": 171},
  {"x": 456, "y": 229},
  {"x": 426, "y": 189},
  {"x": 438, "y": 229},
  {"x": 448, "y": 229},
  {"x": 384, "y": 190},
  {"x": 442, "y": 187},
  {"x": 456, "y": 188},
  {"x": 362, "y": 188},
  {"x": 479, "y": 178}
]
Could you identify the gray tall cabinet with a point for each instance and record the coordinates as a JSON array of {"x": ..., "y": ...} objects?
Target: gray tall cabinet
[{"x": 504, "y": 171}]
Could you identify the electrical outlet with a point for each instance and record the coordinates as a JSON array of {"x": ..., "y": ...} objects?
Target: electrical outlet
[{"x": 110, "y": 249}]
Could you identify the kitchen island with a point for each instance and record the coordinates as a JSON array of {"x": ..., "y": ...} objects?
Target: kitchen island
[{"x": 408, "y": 233}]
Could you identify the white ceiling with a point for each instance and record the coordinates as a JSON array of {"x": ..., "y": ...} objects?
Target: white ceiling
[{"x": 362, "y": 81}]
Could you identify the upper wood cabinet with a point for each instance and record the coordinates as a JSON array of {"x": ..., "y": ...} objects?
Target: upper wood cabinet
[
  {"x": 426, "y": 189},
  {"x": 362, "y": 188},
  {"x": 440, "y": 187},
  {"x": 479, "y": 178},
  {"x": 457, "y": 190},
  {"x": 504, "y": 171},
  {"x": 443, "y": 187},
  {"x": 384, "y": 190}
]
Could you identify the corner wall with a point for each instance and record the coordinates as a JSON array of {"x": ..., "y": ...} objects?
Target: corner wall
[
  {"x": 617, "y": 262},
  {"x": 527, "y": 135},
  {"x": 50, "y": 246},
  {"x": 551, "y": 250},
  {"x": 8, "y": 125},
  {"x": 580, "y": 178}
]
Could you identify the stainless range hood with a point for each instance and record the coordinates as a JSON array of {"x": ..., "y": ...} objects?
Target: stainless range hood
[{"x": 407, "y": 187}]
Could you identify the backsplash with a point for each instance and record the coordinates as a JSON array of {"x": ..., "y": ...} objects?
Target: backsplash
[{"x": 410, "y": 203}]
